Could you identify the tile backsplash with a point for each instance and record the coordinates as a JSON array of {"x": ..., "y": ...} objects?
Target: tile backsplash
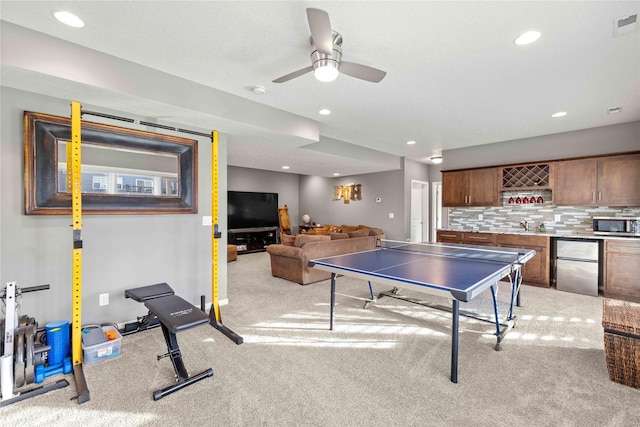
[{"x": 557, "y": 219}]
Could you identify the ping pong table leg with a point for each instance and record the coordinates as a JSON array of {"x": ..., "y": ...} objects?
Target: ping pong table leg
[
  {"x": 333, "y": 300},
  {"x": 455, "y": 314}
]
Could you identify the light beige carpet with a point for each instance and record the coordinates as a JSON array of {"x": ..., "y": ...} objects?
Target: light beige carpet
[{"x": 384, "y": 366}]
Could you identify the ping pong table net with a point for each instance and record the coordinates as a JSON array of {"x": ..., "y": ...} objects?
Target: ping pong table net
[{"x": 487, "y": 254}]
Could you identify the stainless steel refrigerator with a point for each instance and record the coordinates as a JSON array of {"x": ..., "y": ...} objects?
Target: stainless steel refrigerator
[{"x": 577, "y": 266}]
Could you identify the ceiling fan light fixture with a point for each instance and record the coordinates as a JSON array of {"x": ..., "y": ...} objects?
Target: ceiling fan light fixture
[{"x": 327, "y": 73}]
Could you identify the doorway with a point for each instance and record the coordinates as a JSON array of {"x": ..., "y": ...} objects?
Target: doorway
[{"x": 419, "y": 211}]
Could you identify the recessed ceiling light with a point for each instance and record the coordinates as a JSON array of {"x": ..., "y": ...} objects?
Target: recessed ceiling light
[
  {"x": 436, "y": 160},
  {"x": 285, "y": 167},
  {"x": 614, "y": 110},
  {"x": 324, "y": 112},
  {"x": 69, "y": 19},
  {"x": 336, "y": 174},
  {"x": 526, "y": 38},
  {"x": 410, "y": 142},
  {"x": 258, "y": 90},
  {"x": 559, "y": 114}
]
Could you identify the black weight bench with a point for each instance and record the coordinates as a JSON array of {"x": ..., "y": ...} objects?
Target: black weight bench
[
  {"x": 174, "y": 314},
  {"x": 143, "y": 294}
]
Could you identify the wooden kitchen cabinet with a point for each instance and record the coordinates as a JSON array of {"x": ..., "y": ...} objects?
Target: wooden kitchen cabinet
[
  {"x": 606, "y": 181},
  {"x": 536, "y": 270},
  {"x": 466, "y": 237},
  {"x": 621, "y": 271},
  {"x": 472, "y": 187},
  {"x": 445, "y": 236}
]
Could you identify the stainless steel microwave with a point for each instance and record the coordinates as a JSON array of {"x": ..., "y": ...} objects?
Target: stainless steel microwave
[{"x": 617, "y": 226}]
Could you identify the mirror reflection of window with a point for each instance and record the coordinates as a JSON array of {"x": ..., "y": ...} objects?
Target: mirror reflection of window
[{"x": 110, "y": 170}]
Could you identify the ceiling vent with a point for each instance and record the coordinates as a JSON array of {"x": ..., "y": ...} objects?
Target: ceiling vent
[{"x": 625, "y": 25}]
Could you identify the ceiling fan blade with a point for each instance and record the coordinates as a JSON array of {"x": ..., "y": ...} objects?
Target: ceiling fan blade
[
  {"x": 362, "y": 72},
  {"x": 320, "y": 27},
  {"x": 293, "y": 75}
]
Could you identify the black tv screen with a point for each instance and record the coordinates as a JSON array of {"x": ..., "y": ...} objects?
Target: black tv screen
[{"x": 251, "y": 210}]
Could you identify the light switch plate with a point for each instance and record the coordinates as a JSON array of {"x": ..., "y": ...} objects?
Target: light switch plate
[{"x": 206, "y": 220}]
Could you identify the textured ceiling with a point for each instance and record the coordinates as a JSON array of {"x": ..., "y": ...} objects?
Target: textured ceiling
[{"x": 454, "y": 76}]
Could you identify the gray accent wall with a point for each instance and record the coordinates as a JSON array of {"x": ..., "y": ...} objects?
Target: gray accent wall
[
  {"x": 596, "y": 141},
  {"x": 119, "y": 251},
  {"x": 316, "y": 199},
  {"x": 285, "y": 184}
]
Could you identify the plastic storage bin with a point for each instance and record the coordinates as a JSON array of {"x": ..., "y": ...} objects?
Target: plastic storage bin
[{"x": 102, "y": 351}]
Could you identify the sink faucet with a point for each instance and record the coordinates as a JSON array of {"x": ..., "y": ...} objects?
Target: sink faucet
[{"x": 524, "y": 224}]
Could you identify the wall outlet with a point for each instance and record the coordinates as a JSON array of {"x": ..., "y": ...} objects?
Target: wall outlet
[
  {"x": 104, "y": 299},
  {"x": 480, "y": 217},
  {"x": 391, "y": 215},
  {"x": 557, "y": 218},
  {"x": 207, "y": 221}
]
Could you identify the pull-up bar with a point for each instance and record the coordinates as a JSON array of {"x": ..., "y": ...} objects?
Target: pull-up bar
[{"x": 144, "y": 123}]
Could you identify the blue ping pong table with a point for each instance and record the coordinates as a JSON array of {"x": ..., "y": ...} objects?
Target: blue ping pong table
[{"x": 460, "y": 272}]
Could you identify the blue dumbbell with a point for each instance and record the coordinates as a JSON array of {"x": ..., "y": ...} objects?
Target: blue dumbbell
[{"x": 43, "y": 372}]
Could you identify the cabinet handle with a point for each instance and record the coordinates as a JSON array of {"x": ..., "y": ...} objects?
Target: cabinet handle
[
  {"x": 599, "y": 195},
  {"x": 449, "y": 235},
  {"x": 484, "y": 239},
  {"x": 593, "y": 196}
]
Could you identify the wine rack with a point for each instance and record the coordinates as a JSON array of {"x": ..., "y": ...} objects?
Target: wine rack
[{"x": 526, "y": 177}]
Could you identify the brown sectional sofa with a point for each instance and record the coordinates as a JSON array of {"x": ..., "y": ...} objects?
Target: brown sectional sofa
[{"x": 290, "y": 259}]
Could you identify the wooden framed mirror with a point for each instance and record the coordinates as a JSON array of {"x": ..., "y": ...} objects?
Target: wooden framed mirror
[{"x": 124, "y": 171}]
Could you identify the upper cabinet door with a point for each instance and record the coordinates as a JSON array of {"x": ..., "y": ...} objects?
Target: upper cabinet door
[
  {"x": 473, "y": 187},
  {"x": 619, "y": 180},
  {"x": 454, "y": 188},
  {"x": 574, "y": 182},
  {"x": 483, "y": 187},
  {"x": 605, "y": 181}
]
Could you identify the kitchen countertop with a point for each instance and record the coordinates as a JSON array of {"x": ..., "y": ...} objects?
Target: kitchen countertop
[{"x": 574, "y": 235}]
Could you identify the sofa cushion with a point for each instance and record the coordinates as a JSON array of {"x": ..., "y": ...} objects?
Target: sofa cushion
[
  {"x": 336, "y": 236},
  {"x": 363, "y": 232},
  {"x": 349, "y": 228},
  {"x": 301, "y": 239},
  {"x": 375, "y": 231},
  {"x": 288, "y": 239}
]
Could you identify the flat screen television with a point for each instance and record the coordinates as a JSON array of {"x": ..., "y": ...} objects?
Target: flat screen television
[{"x": 247, "y": 209}]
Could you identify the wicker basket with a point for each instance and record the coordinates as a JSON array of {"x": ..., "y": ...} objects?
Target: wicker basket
[{"x": 621, "y": 322}]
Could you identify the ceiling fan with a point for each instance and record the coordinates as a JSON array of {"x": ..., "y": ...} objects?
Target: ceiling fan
[{"x": 326, "y": 58}]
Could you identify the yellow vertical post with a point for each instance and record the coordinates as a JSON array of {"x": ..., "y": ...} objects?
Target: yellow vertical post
[
  {"x": 76, "y": 213},
  {"x": 215, "y": 318},
  {"x": 74, "y": 169},
  {"x": 214, "y": 221}
]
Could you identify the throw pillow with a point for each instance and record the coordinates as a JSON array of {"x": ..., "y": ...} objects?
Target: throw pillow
[
  {"x": 359, "y": 233},
  {"x": 337, "y": 236},
  {"x": 301, "y": 239},
  {"x": 288, "y": 240}
]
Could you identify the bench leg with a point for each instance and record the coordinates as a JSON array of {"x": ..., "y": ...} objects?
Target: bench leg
[{"x": 182, "y": 376}]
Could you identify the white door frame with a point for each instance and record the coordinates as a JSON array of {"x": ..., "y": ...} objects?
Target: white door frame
[
  {"x": 436, "y": 208},
  {"x": 421, "y": 198}
]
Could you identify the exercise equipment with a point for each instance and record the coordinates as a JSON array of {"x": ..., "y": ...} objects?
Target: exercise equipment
[
  {"x": 43, "y": 372},
  {"x": 74, "y": 186},
  {"x": 174, "y": 314},
  {"x": 149, "y": 320},
  {"x": 215, "y": 318},
  {"x": 20, "y": 353}
]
